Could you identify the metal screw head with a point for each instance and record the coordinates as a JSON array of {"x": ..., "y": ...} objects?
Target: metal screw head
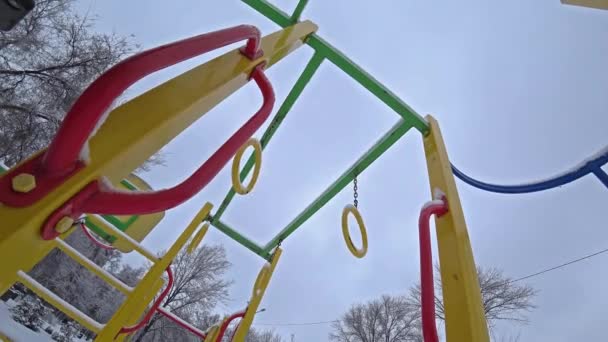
[
  {"x": 24, "y": 182},
  {"x": 64, "y": 224}
]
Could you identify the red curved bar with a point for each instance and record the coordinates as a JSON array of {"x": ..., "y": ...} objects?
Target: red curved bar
[
  {"x": 224, "y": 326},
  {"x": 106, "y": 201},
  {"x": 62, "y": 154},
  {"x": 148, "y": 316},
  {"x": 427, "y": 290},
  {"x": 93, "y": 239},
  {"x": 182, "y": 324}
]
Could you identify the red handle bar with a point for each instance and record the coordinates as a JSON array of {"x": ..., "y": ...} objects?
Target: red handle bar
[
  {"x": 152, "y": 311},
  {"x": 427, "y": 290},
  {"x": 226, "y": 323},
  {"x": 81, "y": 120},
  {"x": 106, "y": 201}
]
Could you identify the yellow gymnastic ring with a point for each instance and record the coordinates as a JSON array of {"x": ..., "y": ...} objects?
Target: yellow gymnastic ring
[
  {"x": 359, "y": 253},
  {"x": 236, "y": 166}
]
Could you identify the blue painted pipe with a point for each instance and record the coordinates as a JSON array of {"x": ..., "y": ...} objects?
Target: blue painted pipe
[{"x": 594, "y": 166}]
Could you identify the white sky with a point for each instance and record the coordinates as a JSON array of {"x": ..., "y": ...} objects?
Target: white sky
[{"x": 519, "y": 88}]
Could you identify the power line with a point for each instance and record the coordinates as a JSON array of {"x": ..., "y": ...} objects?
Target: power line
[
  {"x": 560, "y": 266},
  {"x": 512, "y": 281},
  {"x": 292, "y": 324}
]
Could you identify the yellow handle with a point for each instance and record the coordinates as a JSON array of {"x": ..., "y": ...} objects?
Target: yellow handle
[
  {"x": 359, "y": 253},
  {"x": 236, "y": 166}
]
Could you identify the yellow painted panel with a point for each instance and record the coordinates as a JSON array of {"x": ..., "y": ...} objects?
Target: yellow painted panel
[
  {"x": 465, "y": 318},
  {"x": 132, "y": 133},
  {"x": 601, "y": 4}
]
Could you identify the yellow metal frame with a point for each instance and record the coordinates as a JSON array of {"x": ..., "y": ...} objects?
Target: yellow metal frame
[
  {"x": 125, "y": 141},
  {"x": 121, "y": 144},
  {"x": 259, "y": 288},
  {"x": 130, "y": 311},
  {"x": 464, "y": 315}
]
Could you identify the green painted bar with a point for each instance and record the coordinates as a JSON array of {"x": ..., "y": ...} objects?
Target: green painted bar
[
  {"x": 348, "y": 66},
  {"x": 392, "y": 136},
  {"x": 270, "y": 11},
  {"x": 367, "y": 81},
  {"x": 236, "y": 236},
  {"x": 295, "y": 16},
  {"x": 291, "y": 98}
]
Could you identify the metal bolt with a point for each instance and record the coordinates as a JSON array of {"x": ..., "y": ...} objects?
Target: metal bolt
[
  {"x": 23, "y": 182},
  {"x": 64, "y": 224}
]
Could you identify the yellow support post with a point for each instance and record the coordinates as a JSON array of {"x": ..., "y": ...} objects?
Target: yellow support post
[
  {"x": 125, "y": 141},
  {"x": 259, "y": 288},
  {"x": 141, "y": 307},
  {"x": 212, "y": 333},
  {"x": 464, "y": 315},
  {"x": 132, "y": 303}
]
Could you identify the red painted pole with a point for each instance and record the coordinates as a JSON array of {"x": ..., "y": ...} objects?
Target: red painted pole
[
  {"x": 427, "y": 290},
  {"x": 224, "y": 326},
  {"x": 106, "y": 201},
  {"x": 82, "y": 119},
  {"x": 182, "y": 324},
  {"x": 93, "y": 239},
  {"x": 148, "y": 316}
]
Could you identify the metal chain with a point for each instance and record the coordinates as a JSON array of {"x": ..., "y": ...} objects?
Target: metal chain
[{"x": 355, "y": 193}]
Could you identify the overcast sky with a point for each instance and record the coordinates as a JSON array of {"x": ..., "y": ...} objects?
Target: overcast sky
[{"x": 520, "y": 90}]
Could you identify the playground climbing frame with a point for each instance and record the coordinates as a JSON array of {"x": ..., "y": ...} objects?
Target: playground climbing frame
[{"x": 45, "y": 194}]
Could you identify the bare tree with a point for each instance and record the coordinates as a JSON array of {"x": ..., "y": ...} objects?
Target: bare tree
[
  {"x": 503, "y": 299},
  {"x": 387, "y": 319},
  {"x": 198, "y": 286},
  {"x": 397, "y": 318},
  {"x": 46, "y": 61}
]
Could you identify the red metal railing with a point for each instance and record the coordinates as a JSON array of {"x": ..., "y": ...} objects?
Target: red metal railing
[
  {"x": 153, "y": 309},
  {"x": 86, "y": 112},
  {"x": 427, "y": 290},
  {"x": 61, "y": 159},
  {"x": 93, "y": 239},
  {"x": 227, "y": 322}
]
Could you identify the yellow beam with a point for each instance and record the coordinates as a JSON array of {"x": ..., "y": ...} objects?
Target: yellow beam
[
  {"x": 132, "y": 303},
  {"x": 131, "y": 134},
  {"x": 259, "y": 288},
  {"x": 57, "y": 302},
  {"x": 92, "y": 267},
  {"x": 600, "y": 4},
  {"x": 464, "y": 314}
]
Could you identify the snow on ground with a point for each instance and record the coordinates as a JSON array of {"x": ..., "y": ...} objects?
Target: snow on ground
[{"x": 17, "y": 332}]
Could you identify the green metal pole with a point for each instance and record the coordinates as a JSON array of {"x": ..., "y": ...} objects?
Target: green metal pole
[
  {"x": 295, "y": 16},
  {"x": 270, "y": 11},
  {"x": 291, "y": 98},
  {"x": 370, "y": 83},
  {"x": 348, "y": 66},
  {"x": 392, "y": 136},
  {"x": 236, "y": 236}
]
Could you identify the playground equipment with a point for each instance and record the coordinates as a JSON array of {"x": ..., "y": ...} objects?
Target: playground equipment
[{"x": 45, "y": 196}]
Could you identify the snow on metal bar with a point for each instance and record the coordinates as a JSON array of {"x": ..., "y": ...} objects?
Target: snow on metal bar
[
  {"x": 84, "y": 261},
  {"x": 61, "y": 304}
]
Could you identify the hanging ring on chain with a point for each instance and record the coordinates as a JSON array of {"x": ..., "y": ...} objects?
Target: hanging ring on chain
[
  {"x": 236, "y": 166},
  {"x": 358, "y": 252}
]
